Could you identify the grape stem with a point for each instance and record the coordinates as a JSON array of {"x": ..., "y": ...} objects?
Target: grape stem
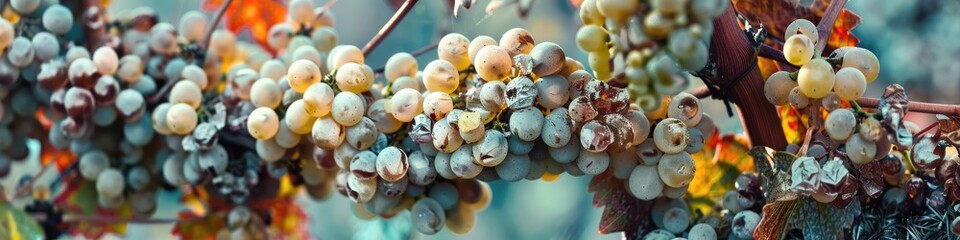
[
  {"x": 216, "y": 22},
  {"x": 25, "y": 188},
  {"x": 825, "y": 26},
  {"x": 389, "y": 26},
  {"x": 926, "y": 129}
]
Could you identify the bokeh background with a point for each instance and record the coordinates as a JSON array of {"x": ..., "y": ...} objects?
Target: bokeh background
[{"x": 917, "y": 42}]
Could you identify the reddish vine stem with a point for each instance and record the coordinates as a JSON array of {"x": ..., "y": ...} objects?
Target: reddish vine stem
[
  {"x": 926, "y": 129},
  {"x": 922, "y": 107},
  {"x": 25, "y": 188},
  {"x": 216, "y": 22},
  {"x": 825, "y": 26},
  {"x": 389, "y": 26}
]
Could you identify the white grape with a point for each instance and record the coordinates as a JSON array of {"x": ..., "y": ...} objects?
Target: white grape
[
  {"x": 266, "y": 93},
  {"x": 193, "y": 25},
  {"x": 110, "y": 183},
  {"x": 493, "y": 63},
  {"x": 399, "y": 65},
  {"x": 302, "y": 74},
  {"x": 352, "y": 77},
  {"x": 592, "y": 38},
  {"x": 263, "y": 123},
  {"x": 798, "y": 49},
  {"x": 57, "y": 19},
  {"x": 816, "y": 78},
  {"x": 186, "y": 92},
  {"x": 342, "y": 54},
  {"x": 46, "y": 47},
  {"x": 273, "y": 69},
  {"x": 279, "y": 36},
  {"x": 777, "y": 88},
  {"x": 181, "y": 118},
  {"x": 478, "y": 43},
  {"x": 405, "y": 105},
  {"x": 441, "y": 76},
  {"x": 840, "y": 124},
  {"x": 453, "y": 48},
  {"x": 850, "y": 84},
  {"x": 317, "y": 99},
  {"x": 297, "y": 118},
  {"x": 327, "y": 133},
  {"x": 517, "y": 41},
  {"x": 324, "y": 38},
  {"x": 347, "y": 108},
  {"x": 864, "y": 60},
  {"x": 269, "y": 151},
  {"x": 92, "y": 163},
  {"x": 860, "y": 150},
  {"x": 644, "y": 182}
]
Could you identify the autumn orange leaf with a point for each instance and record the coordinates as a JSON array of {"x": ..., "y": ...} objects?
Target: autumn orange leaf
[
  {"x": 776, "y": 15},
  {"x": 256, "y": 15},
  {"x": 725, "y": 156}
]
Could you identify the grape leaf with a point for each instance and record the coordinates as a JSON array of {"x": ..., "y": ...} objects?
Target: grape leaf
[
  {"x": 792, "y": 124},
  {"x": 256, "y": 15},
  {"x": 949, "y": 129},
  {"x": 192, "y": 226},
  {"x": 725, "y": 156},
  {"x": 80, "y": 197},
  {"x": 774, "y": 168},
  {"x": 622, "y": 211},
  {"x": 16, "y": 224},
  {"x": 815, "y": 219},
  {"x": 776, "y": 15}
]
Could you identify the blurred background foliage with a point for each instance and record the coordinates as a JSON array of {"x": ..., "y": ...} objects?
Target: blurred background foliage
[{"x": 917, "y": 42}]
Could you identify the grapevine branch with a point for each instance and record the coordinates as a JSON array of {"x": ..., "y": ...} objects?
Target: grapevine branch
[
  {"x": 389, "y": 26},
  {"x": 735, "y": 53}
]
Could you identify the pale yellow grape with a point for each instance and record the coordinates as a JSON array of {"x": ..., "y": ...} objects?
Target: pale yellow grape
[
  {"x": 454, "y": 48},
  {"x": 186, "y": 92},
  {"x": 803, "y": 27},
  {"x": 618, "y": 10},
  {"x": 351, "y": 77},
  {"x": 263, "y": 123},
  {"x": 385, "y": 121},
  {"x": 322, "y": 18},
  {"x": 815, "y": 78},
  {"x": 592, "y": 38},
  {"x": 777, "y": 88},
  {"x": 344, "y": 54},
  {"x": 279, "y": 36},
  {"x": 159, "y": 117},
  {"x": 266, "y": 93},
  {"x": 269, "y": 151},
  {"x": 437, "y": 105},
  {"x": 285, "y": 137},
  {"x": 798, "y": 49},
  {"x": 589, "y": 14},
  {"x": 668, "y": 7},
  {"x": 223, "y": 43},
  {"x": 441, "y": 76},
  {"x": 404, "y": 82},
  {"x": 405, "y": 105},
  {"x": 308, "y": 52},
  {"x": 194, "y": 74},
  {"x": 347, "y": 108},
  {"x": 840, "y": 124},
  {"x": 324, "y": 38},
  {"x": 301, "y": 11},
  {"x": 600, "y": 64},
  {"x": 106, "y": 60},
  {"x": 493, "y": 63},
  {"x": 193, "y": 25},
  {"x": 864, "y": 60},
  {"x": 517, "y": 41},
  {"x": 297, "y": 118},
  {"x": 317, "y": 99},
  {"x": 478, "y": 43},
  {"x": 850, "y": 84},
  {"x": 181, "y": 118},
  {"x": 273, "y": 69},
  {"x": 399, "y": 65},
  {"x": 302, "y": 74},
  {"x": 657, "y": 26}
]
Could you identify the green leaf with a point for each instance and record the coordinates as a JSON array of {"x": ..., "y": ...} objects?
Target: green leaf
[{"x": 16, "y": 224}]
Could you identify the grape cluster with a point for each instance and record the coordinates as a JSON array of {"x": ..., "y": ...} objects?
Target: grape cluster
[
  {"x": 243, "y": 223},
  {"x": 843, "y": 75},
  {"x": 648, "y": 43}
]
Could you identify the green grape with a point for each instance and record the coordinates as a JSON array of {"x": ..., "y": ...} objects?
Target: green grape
[
  {"x": 777, "y": 88},
  {"x": 798, "y": 49},
  {"x": 850, "y": 84},
  {"x": 589, "y": 14},
  {"x": 600, "y": 63},
  {"x": 618, "y": 10},
  {"x": 816, "y": 78},
  {"x": 804, "y": 27},
  {"x": 864, "y": 60},
  {"x": 592, "y": 38}
]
